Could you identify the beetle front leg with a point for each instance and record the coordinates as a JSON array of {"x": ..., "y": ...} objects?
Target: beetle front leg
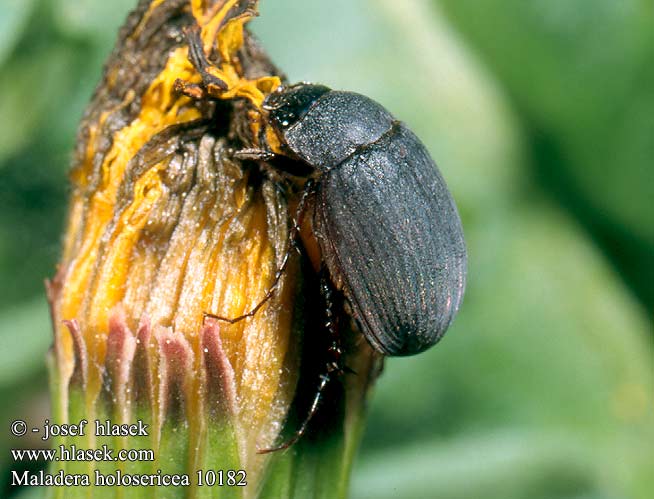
[
  {"x": 279, "y": 162},
  {"x": 251, "y": 154},
  {"x": 292, "y": 236}
]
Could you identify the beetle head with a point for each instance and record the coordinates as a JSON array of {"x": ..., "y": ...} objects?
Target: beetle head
[{"x": 287, "y": 105}]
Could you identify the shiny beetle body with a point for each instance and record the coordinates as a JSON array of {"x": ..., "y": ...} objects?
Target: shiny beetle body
[{"x": 387, "y": 227}]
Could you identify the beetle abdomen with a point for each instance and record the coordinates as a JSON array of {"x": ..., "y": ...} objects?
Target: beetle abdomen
[{"x": 391, "y": 236}]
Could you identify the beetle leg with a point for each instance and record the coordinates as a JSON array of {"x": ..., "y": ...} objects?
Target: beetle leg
[
  {"x": 279, "y": 162},
  {"x": 254, "y": 154},
  {"x": 333, "y": 367},
  {"x": 334, "y": 364},
  {"x": 335, "y": 347},
  {"x": 324, "y": 381},
  {"x": 292, "y": 235}
]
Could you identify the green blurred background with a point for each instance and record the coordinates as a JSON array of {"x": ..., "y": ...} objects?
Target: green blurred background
[{"x": 540, "y": 114}]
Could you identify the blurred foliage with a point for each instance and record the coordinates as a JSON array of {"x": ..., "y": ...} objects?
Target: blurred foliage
[
  {"x": 581, "y": 74},
  {"x": 541, "y": 117}
]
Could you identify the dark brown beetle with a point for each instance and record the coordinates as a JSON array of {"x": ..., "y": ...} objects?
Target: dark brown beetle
[{"x": 388, "y": 229}]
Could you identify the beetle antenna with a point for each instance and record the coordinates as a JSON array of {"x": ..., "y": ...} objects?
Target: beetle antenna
[{"x": 292, "y": 235}]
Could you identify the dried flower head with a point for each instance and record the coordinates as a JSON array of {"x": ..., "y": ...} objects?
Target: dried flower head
[{"x": 164, "y": 225}]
